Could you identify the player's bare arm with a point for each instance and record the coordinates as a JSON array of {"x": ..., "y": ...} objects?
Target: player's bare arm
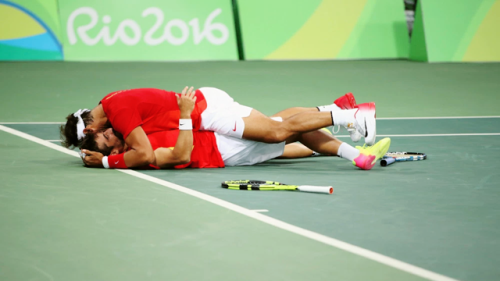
[
  {"x": 181, "y": 153},
  {"x": 140, "y": 151}
]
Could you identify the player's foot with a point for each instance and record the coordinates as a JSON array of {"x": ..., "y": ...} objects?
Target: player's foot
[
  {"x": 368, "y": 155},
  {"x": 348, "y": 101},
  {"x": 365, "y": 123}
]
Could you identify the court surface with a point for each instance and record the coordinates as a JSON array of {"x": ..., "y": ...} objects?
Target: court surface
[{"x": 437, "y": 219}]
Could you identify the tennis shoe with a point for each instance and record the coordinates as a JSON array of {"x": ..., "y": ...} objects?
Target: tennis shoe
[
  {"x": 368, "y": 155},
  {"x": 348, "y": 101},
  {"x": 364, "y": 122}
]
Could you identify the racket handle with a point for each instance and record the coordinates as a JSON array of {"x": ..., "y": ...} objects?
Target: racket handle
[
  {"x": 387, "y": 161},
  {"x": 317, "y": 189}
]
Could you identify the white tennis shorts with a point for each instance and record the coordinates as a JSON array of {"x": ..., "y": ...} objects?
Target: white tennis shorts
[
  {"x": 223, "y": 115},
  {"x": 241, "y": 152}
]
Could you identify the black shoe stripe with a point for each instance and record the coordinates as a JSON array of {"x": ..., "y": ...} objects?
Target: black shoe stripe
[{"x": 366, "y": 129}]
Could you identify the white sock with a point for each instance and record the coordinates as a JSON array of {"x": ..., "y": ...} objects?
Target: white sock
[
  {"x": 343, "y": 117},
  {"x": 328, "y": 107},
  {"x": 347, "y": 152}
]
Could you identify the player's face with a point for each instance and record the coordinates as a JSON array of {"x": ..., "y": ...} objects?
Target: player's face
[
  {"x": 92, "y": 127},
  {"x": 107, "y": 140},
  {"x": 96, "y": 126}
]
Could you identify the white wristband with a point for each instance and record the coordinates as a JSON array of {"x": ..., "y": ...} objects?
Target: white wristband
[
  {"x": 105, "y": 162},
  {"x": 185, "y": 124}
]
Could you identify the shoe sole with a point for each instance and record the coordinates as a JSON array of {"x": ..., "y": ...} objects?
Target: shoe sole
[{"x": 384, "y": 149}]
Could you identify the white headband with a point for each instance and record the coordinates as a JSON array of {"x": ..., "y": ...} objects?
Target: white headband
[{"x": 80, "y": 126}]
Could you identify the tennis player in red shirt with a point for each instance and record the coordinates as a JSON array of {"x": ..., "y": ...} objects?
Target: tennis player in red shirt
[
  {"x": 139, "y": 112},
  {"x": 205, "y": 149}
]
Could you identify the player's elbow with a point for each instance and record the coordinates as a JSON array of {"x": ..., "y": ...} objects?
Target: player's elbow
[
  {"x": 147, "y": 157},
  {"x": 184, "y": 159}
]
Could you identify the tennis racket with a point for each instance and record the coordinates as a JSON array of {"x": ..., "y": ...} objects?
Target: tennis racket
[
  {"x": 273, "y": 185},
  {"x": 392, "y": 157}
]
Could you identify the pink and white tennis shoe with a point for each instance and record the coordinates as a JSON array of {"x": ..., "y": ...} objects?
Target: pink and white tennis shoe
[
  {"x": 368, "y": 155},
  {"x": 365, "y": 123},
  {"x": 348, "y": 101}
]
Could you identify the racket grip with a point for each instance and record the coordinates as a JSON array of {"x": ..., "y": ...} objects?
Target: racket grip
[
  {"x": 317, "y": 189},
  {"x": 387, "y": 161}
]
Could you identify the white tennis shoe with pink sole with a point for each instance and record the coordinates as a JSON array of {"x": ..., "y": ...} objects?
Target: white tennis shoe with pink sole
[
  {"x": 364, "y": 122},
  {"x": 348, "y": 101}
]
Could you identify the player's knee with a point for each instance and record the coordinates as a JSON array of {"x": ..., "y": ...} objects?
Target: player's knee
[{"x": 276, "y": 136}]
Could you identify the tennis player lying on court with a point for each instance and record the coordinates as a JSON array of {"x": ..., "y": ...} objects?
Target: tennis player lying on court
[
  {"x": 137, "y": 113},
  {"x": 205, "y": 149}
]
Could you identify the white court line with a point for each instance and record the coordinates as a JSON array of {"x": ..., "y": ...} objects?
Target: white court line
[
  {"x": 260, "y": 211},
  {"x": 39, "y": 141},
  {"x": 403, "y": 266}
]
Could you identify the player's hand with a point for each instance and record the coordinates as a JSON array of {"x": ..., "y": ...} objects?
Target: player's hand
[
  {"x": 92, "y": 158},
  {"x": 186, "y": 101}
]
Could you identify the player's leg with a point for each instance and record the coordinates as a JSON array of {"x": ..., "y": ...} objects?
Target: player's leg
[
  {"x": 346, "y": 101},
  {"x": 237, "y": 152},
  {"x": 362, "y": 157},
  {"x": 227, "y": 117},
  {"x": 259, "y": 127},
  {"x": 296, "y": 150},
  {"x": 320, "y": 142}
]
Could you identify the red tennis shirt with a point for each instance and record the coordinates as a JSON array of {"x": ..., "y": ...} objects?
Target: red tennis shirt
[
  {"x": 154, "y": 109},
  {"x": 205, "y": 152}
]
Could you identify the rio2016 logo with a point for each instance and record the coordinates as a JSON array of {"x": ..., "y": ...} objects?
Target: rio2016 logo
[{"x": 135, "y": 35}]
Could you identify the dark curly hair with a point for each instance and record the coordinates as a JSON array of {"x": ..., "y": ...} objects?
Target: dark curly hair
[
  {"x": 69, "y": 135},
  {"x": 89, "y": 143}
]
